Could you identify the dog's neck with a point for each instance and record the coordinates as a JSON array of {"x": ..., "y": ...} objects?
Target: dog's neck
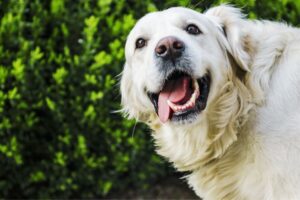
[
  {"x": 222, "y": 177},
  {"x": 214, "y": 167}
]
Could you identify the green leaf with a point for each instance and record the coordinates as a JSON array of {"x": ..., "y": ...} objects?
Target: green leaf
[
  {"x": 60, "y": 158},
  {"x": 81, "y": 145},
  {"x": 90, "y": 112},
  {"x": 36, "y": 55},
  {"x": 91, "y": 79},
  {"x": 50, "y": 104},
  {"x": 18, "y": 69},
  {"x": 107, "y": 186},
  {"x": 101, "y": 59},
  {"x": 151, "y": 7},
  {"x": 91, "y": 24},
  {"x": 104, "y": 6},
  {"x": 57, "y": 6},
  {"x": 37, "y": 176},
  {"x": 129, "y": 21},
  {"x": 13, "y": 94},
  {"x": 95, "y": 96},
  {"x": 60, "y": 75},
  {"x": 3, "y": 75}
]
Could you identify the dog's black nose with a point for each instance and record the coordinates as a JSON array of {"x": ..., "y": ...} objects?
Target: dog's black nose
[{"x": 169, "y": 48}]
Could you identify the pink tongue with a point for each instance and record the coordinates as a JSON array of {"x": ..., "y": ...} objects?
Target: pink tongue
[{"x": 176, "y": 91}]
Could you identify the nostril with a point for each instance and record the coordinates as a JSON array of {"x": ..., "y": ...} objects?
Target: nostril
[
  {"x": 178, "y": 45},
  {"x": 169, "y": 48},
  {"x": 160, "y": 50}
]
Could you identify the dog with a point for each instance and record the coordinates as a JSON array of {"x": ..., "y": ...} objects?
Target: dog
[{"x": 222, "y": 96}]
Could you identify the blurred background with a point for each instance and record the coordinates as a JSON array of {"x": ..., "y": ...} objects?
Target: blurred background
[{"x": 59, "y": 66}]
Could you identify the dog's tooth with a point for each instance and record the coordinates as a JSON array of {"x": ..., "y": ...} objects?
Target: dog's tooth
[
  {"x": 196, "y": 85},
  {"x": 172, "y": 105},
  {"x": 169, "y": 103},
  {"x": 193, "y": 98},
  {"x": 197, "y": 93},
  {"x": 188, "y": 102}
]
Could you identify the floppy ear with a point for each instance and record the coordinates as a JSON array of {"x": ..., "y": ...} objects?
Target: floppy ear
[
  {"x": 126, "y": 87},
  {"x": 131, "y": 99},
  {"x": 231, "y": 21}
]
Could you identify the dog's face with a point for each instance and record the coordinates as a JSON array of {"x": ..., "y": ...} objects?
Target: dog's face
[{"x": 176, "y": 63}]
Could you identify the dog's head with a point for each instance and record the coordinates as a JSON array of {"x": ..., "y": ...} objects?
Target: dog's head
[{"x": 181, "y": 67}]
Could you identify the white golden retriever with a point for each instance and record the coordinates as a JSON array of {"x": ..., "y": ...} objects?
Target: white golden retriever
[{"x": 222, "y": 96}]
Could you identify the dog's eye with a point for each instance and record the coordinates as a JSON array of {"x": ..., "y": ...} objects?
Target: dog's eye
[
  {"x": 140, "y": 43},
  {"x": 193, "y": 29}
]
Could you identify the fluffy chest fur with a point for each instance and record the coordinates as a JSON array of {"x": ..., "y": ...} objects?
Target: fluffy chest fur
[{"x": 253, "y": 167}]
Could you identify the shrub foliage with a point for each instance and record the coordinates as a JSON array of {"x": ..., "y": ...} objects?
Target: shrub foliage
[{"x": 59, "y": 66}]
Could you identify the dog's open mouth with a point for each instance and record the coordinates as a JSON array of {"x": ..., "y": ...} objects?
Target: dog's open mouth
[{"x": 182, "y": 97}]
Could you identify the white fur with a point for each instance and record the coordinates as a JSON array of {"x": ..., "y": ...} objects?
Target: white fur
[{"x": 246, "y": 143}]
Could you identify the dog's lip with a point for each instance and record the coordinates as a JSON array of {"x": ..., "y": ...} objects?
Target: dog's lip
[{"x": 200, "y": 102}]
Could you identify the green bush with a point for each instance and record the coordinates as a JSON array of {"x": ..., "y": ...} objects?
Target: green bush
[
  {"x": 59, "y": 135},
  {"x": 59, "y": 62}
]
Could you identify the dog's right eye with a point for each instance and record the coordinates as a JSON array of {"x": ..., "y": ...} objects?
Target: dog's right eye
[
  {"x": 193, "y": 29},
  {"x": 140, "y": 43}
]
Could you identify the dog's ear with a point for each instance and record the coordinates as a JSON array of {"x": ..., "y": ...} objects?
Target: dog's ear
[
  {"x": 231, "y": 22},
  {"x": 126, "y": 87},
  {"x": 131, "y": 100}
]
